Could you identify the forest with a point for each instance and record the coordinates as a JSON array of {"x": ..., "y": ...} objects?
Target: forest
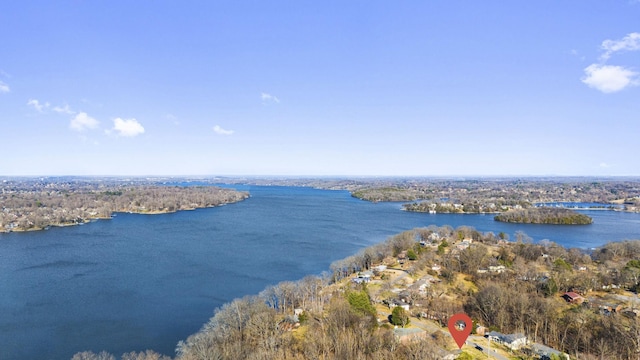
[
  {"x": 544, "y": 215},
  {"x": 31, "y": 204},
  {"x": 507, "y": 286}
]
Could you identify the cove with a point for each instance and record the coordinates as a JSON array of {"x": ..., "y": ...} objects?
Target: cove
[{"x": 147, "y": 281}]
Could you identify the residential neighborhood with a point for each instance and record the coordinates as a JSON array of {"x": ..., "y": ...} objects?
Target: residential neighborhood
[{"x": 393, "y": 300}]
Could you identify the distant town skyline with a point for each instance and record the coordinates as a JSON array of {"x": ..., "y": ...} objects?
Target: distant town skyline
[{"x": 332, "y": 88}]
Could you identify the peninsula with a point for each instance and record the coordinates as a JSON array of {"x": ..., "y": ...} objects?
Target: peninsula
[{"x": 35, "y": 204}]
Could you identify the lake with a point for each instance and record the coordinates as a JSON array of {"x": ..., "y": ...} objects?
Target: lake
[{"x": 141, "y": 282}]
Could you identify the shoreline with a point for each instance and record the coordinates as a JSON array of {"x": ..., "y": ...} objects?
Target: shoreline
[{"x": 88, "y": 220}]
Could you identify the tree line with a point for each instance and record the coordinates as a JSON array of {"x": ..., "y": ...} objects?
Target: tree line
[
  {"x": 499, "y": 192},
  {"x": 28, "y": 206}
]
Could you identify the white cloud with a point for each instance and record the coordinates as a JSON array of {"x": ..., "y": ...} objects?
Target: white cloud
[
  {"x": 221, "y": 131},
  {"x": 127, "y": 127},
  {"x": 4, "y": 88},
  {"x": 604, "y": 165},
  {"x": 609, "y": 78},
  {"x": 613, "y": 78},
  {"x": 631, "y": 42},
  {"x": 82, "y": 122},
  {"x": 36, "y": 105},
  {"x": 63, "y": 110},
  {"x": 268, "y": 97}
]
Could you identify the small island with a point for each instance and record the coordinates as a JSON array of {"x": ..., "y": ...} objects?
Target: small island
[{"x": 544, "y": 215}]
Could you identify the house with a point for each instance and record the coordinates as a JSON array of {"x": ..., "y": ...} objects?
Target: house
[
  {"x": 497, "y": 269},
  {"x": 367, "y": 273},
  {"x": 546, "y": 352},
  {"x": 362, "y": 278},
  {"x": 380, "y": 268},
  {"x": 402, "y": 256},
  {"x": 398, "y": 303},
  {"x": 481, "y": 330},
  {"x": 464, "y": 244},
  {"x": 512, "y": 341},
  {"x": 405, "y": 296},
  {"x": 405, "y": 335},
  {"x": 445, "y": 355},
  {"x": 573, "y": 298},
  {"x": 421, "y": 285},
  {"x": 609, "y": 287},
  {"x": 605, "y": 308}
]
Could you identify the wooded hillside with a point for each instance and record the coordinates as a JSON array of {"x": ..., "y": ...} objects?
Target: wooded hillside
[{"x": 33, "y": 205}]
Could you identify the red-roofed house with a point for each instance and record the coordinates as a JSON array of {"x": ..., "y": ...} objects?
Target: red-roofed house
[{"x": 573, "y": 297}]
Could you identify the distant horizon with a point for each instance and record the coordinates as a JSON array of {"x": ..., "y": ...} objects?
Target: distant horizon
[{"x": 308, "y": 177}]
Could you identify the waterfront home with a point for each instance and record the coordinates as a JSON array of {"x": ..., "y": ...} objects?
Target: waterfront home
[{"x": 363, "y": 277}]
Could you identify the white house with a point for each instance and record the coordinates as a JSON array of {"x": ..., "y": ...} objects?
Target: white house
[{"x": 512, "y": 341}]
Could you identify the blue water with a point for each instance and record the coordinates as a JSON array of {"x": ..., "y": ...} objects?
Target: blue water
[{"x": 147, "y": 281}]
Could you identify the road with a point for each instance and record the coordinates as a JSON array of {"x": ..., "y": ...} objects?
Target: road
[
  {"x": 491, "y": 353},
  {"x": 430, "y": 327},
  {"x": 473, "y": 340}
]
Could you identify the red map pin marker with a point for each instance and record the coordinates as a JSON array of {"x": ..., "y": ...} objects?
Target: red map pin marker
[{"x": 459, "y": 331}]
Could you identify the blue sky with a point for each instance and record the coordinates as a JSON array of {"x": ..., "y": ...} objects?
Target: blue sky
[{"x": 353, "y": 88}]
